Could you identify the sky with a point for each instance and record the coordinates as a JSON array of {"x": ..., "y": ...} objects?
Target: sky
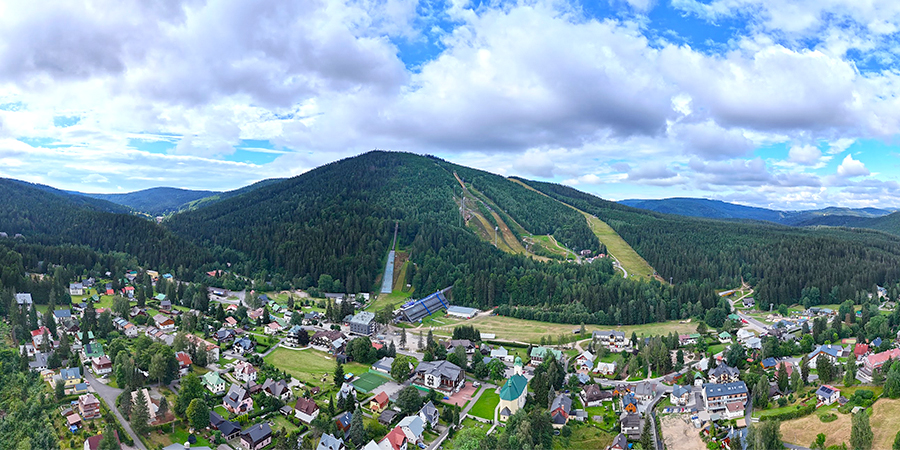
[{"x": 789, "y": 104}]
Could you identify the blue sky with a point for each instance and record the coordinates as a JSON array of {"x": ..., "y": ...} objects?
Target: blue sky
[{"x": 790, "y": 105}]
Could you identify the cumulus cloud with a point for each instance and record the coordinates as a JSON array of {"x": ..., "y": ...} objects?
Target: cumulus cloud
[
  {"x": 852, "y": 168},
  {"x": 806, "y": 155},
  {"x": 709, "y": 140}
]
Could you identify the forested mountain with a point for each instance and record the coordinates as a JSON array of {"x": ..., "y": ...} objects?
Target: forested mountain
[
  {"x": 154, "y": 201},
  {"x": 338, "y": 220},
  {"x": 73, "y": 198},
  {"x": 782, "y": 263},
  {"x": 49, "y": 216},
  {"x": 716, "y": 209}
]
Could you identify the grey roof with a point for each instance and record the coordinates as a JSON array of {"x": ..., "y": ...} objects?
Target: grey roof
[
  {"x": 228, "y": 428},
  {"x": 718, "y": 390},
  {"x": 439, "y": 368},
  {"x": 415, "y": 310},
  {"x": 644, "y": 389},
  {"x": 24, "y": 299},
  {"x": 384, "y": 364},
  {"x": 608, "y": 333},
  {"x": 825, "y": 390},
  {"x": 40, "y": 360},
  {"x": 276, "y": 388},
  {"x": 329, "y": 442},
  {"x": 462, "y": 310},
  {"x": 679, "y": 390},
  {"x": 428, "y": 410},
  {"x": 72, "y": 373},
  {"x": 62, "y": 313},
  {"x": 257, "y": 433},
  {"x": 562, "y": 401},
  {"x": 344, "y": 418},
  {"x": 723, "y": 369},
  {"x": 621, "y": 441},
  {"x": 414, "y": 423},
  {"x": 363, "y": 318},
  {"x": 236, "y": 394}
]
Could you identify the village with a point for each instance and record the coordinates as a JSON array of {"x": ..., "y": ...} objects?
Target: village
[{"x": 336, "y": 373}]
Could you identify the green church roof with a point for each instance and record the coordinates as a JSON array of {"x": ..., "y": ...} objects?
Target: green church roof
[{"x": 513, "y": 388}]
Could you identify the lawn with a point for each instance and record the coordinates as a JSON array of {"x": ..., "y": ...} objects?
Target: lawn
[
  {"x": 486, "y": 404},
  {"x": 310, "y": 366},
  {"x": 281, "y": 422},
  {"x": 180, "y": 436},
  {"x": 394, "y": 298},
  {"x": 584, "y": 436},
  {"x": 532, "y": 330}
]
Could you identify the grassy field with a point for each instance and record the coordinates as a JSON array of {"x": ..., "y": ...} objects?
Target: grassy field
[
  {"x": 394, "y": 298},
  {"x": 179, "y": 436},
  {"x": 486, "y": 404},
  {"x": 616, "y": 246},
  {"x": 885, "y": 421},
  {"x": 310, "y": 366},
  {"x": 281, "y": 422},
  {"x": 584, "y": 436},
  {"x": 531, "y": 331}
]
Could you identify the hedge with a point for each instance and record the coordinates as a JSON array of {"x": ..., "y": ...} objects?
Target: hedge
[{"x": 788, "y": 415}]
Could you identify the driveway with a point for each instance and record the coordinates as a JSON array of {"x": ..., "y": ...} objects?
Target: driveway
[{"x": 109, "y": 395}]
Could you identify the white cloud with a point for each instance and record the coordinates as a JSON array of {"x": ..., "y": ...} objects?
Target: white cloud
[
  {"x": 852, "y": 168},
  {"x": 806, "y": 155}
]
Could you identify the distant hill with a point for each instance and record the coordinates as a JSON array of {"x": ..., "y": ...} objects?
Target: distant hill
[
  {"x": 716, "y": 209},
  {"x": 154, "y": 201}
]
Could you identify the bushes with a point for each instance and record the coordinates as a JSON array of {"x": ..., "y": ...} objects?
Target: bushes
[
  {"x": 828, "y": 417},
  {"x": 801, "y": 411}
]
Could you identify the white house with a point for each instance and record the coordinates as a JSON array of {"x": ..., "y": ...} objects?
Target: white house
[
  {"x": 245, "y": 372},
  {"x": 828, "y": 394}
]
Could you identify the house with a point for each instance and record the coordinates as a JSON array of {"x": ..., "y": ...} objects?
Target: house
[
  {"x": 143, "y": 395},
  {"x": 614, "y": 341},
  {"x": 387, "y": 417},
  {"x": 93, "y": 442},
  {"x": 689, "y": 339},
  {"x": 214, "y": 382},
  {"x": 440, "y": 375},
  {"x": 88, "y": 406},
  {"x": 278, "y": 389},
  {"x": 128, "y": 291},
  {"x": 272, "y": 328},
  {"x": 245, "y": 372},
  {"x": 329, "y": 442},
  {"x": 229, "y": 430},
  {"x": 467, "y": 344},
  {"x": 346, "y": 391},
  {"x": 383, "y": 365},
  {"x": 860, "y": 350},
  {"x": 429, "y": 414},
  {"x": 619, "y": 443},
  {"x": 297, "y": 337},
  {"x": 69, "y": 376},
  {"x": 413, "y": 427},
  {"x": 326, "y": 339},
  {"x": 768, "y": 363},
  {"x": 256, "y": 314},
  {"x": 76, "y": 289},
  {"x": 237, "y": 400},
  {"x": 514, "y": 393},
  {"x": 749, "y": 302},
  {"x": 629, "y": 403},
  {"x": 164, "y": 323},
  {"x": 592, "y": 395},
  {"x": 342, "y": 422},
  {"x": 631, "y": 425},
  {"x": 101, "y": 365},
  {"x": 379, "y": 402},
  {"x": 644, "y": 391},
  {"x": 538, "y": 354},
  {"x": 165, "y": 305},
  {"x": 560, "y": 410},
  {"x": 876, "y": 360},
  {"x": 788, "y": 367},
  {"x": 606, "y": 369},
  {"x": 184, "y": 363},
  {"x": 257, "y": 436},
  {"x": 37, "y": 336},
  {"x": 363, "y": 323},
  {"x": 828, "y": 394},
  {"x": 753, "y": 343},
  {"x": 680, "y": 395},
  {"x": 136, "y": 311},
  {"x": 243, "y": 345},
  {"x": 723, "y": 373},
  {"x": 92, "y": 351},
  {"x": 212, "y": 350},
  {"x": 585, "y": 361},
  {"x": 831, "y": 352},
  {"x": 716, "y": 397},
  {"x": 224, "y": 336},
  {"x": 395, "y": 440},
  {"x": 306, "y": 409},
  {"x": 501, "y": 354},
  {"x": 734, "y": 410},
  {"x": 230, "y": 322},
  {"x": 62, "y": 315},
  {"x": 725, "y": 337},
  {"x": 743, "y": 335}
]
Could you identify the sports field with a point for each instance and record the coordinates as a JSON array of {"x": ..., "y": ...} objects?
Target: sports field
[{"x": 368, "y": 381}]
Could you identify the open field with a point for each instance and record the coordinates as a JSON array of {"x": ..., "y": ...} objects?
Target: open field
[
  {"x": 616, "y": 246},
  {"x": 309, "y": 366},
  {"x": 584, "y": 436},
  {"x": 486, "y": 405},
  {"x": 550, "y": 245},
  {"x": 885, "y": 421},
  {"x": 395, "y": 298},
  {"x": 531, "y": 331},
  {"x": 679, "y": 434}
]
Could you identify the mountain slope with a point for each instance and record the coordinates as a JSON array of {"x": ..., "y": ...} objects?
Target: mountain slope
[
  {"x": 50, "y": 216},
  {"x": 716, "y": 209},
  {"x": 338, "y": 220},
  {"x": 154, "y": 201},
  {"x": 781, "y": 262}
]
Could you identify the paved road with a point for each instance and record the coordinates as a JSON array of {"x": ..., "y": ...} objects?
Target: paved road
[{"x": 109, "y": 395}]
